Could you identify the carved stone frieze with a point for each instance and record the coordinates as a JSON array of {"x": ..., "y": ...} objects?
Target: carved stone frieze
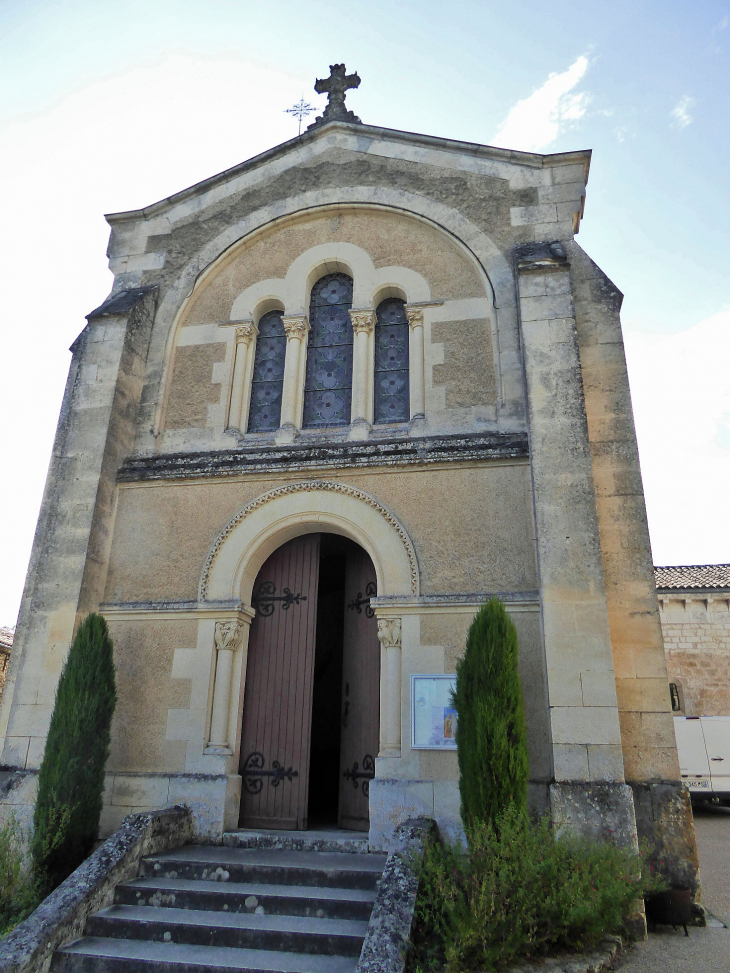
[{"x": 292, "y": 457}]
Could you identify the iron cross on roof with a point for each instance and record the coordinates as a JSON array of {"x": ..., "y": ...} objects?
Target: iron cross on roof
[{"x": 336, "y": 85}]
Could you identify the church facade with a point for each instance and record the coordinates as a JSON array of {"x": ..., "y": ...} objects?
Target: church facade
[{"x": 339, "y": 396}]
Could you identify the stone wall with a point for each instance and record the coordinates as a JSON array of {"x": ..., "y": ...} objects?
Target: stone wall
[{"x": 696, "y": 629}]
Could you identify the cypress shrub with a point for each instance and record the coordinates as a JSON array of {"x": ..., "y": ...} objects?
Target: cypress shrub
[
  {"x": 71, "y": 778},
  {"x": 490, "y": 731}
]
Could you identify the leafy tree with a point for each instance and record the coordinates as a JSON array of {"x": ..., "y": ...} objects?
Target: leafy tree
[
  {"x": 490, "y": 732},
  {"x": 71, "y": 778}
]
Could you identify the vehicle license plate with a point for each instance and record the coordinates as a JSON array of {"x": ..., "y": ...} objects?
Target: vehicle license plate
[{"x": 702, "y": 785}]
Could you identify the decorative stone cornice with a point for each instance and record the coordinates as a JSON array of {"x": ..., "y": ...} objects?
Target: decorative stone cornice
[
  {"x": 363, "y": 320},
  {"x": 296, "y": 326},
  {"x": 294, "y": 457},
  {"x": 414, "y": 316}
]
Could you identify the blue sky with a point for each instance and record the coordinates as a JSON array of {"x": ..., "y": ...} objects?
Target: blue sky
[{"x": 108, "y": 106}]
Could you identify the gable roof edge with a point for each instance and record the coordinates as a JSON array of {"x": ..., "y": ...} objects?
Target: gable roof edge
[{"x": 532, "y": 159}]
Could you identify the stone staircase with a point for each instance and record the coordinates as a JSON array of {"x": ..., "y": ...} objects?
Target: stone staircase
[{"x": 267, "y": 902}]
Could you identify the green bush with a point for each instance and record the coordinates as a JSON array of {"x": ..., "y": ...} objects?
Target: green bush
[
  {"x": 490, "y": 731},
  {"x": 518, "y": 891},
  {"x": 71, "y": 778},
  {"x": 19, "y": 894}
]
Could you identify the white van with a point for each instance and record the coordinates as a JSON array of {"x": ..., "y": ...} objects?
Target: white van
[{"x": 703, "y": 743}]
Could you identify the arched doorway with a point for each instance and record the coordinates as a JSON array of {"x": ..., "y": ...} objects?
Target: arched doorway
[{"x": 311, "y": 705}]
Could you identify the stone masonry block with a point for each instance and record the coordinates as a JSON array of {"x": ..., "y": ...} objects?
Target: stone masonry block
[
  {"x": 599, "y": 687},
  {"x": 605, "y": 762},
  {"x": 643, "y": 695},
  {"x": 524, "y": 215},
  {"x": 562, "y": 193},
  {"x": 545, "y": 308},
  {"x": 567, "y": 210},
  {"x": 140, "y": 791},
  {"x": 585, "y": 724},
  {"x": 571, "y": 761},
  {"x": 535, "y": 285},
  {"x": 568, "y": 174},
  {"x": 564, "y": 687}
]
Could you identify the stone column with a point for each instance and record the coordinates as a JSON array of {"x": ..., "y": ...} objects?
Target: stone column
[
  {"x": 589, "y": 788},
  {"x": 243, "y": 354},
  {"x": 363, "y": 326},
  {"x": 296, "y": 328},
  {"x": 227, "y": 637},
  {"x": 416, "y": 375},
  {"x": 389, "y": 634}
]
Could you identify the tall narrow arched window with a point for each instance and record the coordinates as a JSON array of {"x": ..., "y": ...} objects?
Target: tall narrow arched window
[
  {"x": 392, "y": 402},
  {"x": 328, "y": 382},
  {"x": 268, "y": 374}
]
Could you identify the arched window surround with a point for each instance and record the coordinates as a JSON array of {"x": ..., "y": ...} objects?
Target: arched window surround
[{"x": 292, "y": 295}]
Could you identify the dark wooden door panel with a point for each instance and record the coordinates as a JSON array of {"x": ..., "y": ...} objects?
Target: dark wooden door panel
[
  {"x": 277, "y": 707},
  {"x": 360, "y": 692}
]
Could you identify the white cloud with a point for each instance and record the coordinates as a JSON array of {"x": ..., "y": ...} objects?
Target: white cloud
[
  {"x": 681, "y": 397},
  {"x": 533, "y": 123},
  {"x": 680, "y": 112}
]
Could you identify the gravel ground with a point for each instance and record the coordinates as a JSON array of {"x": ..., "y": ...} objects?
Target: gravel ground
[{"x": 705, "y": 950}]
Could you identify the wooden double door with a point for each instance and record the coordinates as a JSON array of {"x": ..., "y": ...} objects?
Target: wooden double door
[{"x": 311, "y": 704}]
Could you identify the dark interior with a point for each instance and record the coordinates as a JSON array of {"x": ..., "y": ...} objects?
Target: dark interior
[{"x": 324, "y": 758}]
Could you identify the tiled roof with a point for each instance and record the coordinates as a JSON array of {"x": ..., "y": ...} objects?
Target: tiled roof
[
  {"x": 6, "y": 638},
  {"x": 693, "y": 576}
]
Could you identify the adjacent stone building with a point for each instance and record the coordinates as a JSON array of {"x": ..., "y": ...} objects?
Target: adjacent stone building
[
  {"x": 694, "y": 603},
  {"x": 339, "y": 396},
  {"x": 6, "y": 644}
]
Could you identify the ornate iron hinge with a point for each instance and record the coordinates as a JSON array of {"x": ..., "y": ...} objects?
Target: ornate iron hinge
[
  {"x": 253, "y": 771},
  {"x": 365, "y": 775},
  {"x": 357, "y": 603},
  {"x": 263, "y": 600}
]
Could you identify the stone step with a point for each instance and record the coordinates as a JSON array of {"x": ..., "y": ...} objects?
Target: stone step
[
  {"x": 94, "y": 955},
  {"x": 267, "y": 866},
  {"x": 295, "y": 934},
  {"x": 353, "y": 842},
  {"x": 293, "y": 900}
]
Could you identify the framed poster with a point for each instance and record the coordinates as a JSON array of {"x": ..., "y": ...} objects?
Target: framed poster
[{"x": 433, "y": 717}]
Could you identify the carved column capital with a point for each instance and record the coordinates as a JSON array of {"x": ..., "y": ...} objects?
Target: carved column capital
[
  {"x": 246, "y": 331},
  {"x": 227, "y": 634},
  {"x": 296, "y": 326},
  {"x": 389, "y": 632},
  {"x": 415, "y": 316},
  {"x": 363, "y": 320}
]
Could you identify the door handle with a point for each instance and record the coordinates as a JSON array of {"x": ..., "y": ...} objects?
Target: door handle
[{"x": 717, "y": 758}]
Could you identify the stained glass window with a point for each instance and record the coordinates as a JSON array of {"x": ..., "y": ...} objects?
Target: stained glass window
[
  {"x": 328, "y": 381},
  {"x": 392, "y": 402},
  {"x": 268, "y": 374}
]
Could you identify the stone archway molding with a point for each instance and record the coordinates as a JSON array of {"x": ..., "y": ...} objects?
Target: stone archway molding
[{"x": 271, "y": 519}]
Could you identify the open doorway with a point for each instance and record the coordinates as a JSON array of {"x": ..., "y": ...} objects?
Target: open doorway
[{"x": 311, "y": 705}]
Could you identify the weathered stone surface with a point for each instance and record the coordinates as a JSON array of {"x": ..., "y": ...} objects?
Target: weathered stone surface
[
  {"x": 389, "y": 930},
  {"x": 664, "y": 822},
  {"x": 62, "y": 916}
]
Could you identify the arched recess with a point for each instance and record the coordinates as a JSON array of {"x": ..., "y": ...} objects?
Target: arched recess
[
  {"x": 491, "y": 262},
  {"x": 309, "y": 506}
]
